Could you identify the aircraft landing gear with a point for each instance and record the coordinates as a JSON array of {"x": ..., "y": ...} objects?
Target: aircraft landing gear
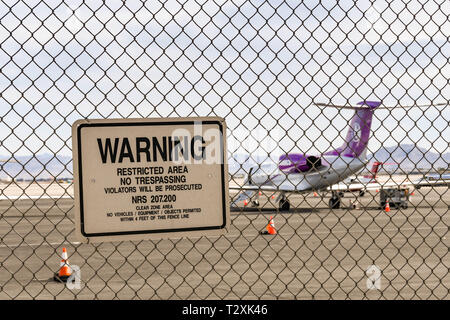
[
  {"x": 335, "y": 201},
  {"x": 284, "y": 204},
  {"x": 255, "y": 203}
]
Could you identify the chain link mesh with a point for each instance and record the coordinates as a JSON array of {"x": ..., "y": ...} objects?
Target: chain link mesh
[{"x": 261, "y": 65}]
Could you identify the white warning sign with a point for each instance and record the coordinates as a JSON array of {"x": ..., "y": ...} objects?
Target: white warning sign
[{"x": 150, "y": 178}]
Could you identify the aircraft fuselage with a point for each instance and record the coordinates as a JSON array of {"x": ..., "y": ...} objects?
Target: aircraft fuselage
[{"x": 333, "y": 170}]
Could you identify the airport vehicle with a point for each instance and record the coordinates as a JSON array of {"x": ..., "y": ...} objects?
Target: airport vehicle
[
  {"x": 397, "y": 198},
  {"x": 299, "y": 173}
]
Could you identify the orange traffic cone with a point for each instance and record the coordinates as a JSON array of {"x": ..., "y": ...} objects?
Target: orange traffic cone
[
  {"x": 64, "y": 270},
  {"x": 245, "y": 203},
  {"x": 270, "y": 228},
  {"x": 315, "y": 194},
  {"x": 387, "y": 208}
]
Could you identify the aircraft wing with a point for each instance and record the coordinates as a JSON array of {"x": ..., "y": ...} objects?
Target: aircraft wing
[
  {"x": 248, "y": 191},
  {"x": 421, "y": 184},
  {"x": 368, "y": 186},
  {"x": 247, "y": 194},
  {"x": 347, "y": 187},
  {"x": 438, "y": 183},
  {"x": 285, "y": 187},
  {"x": 375, "y": 186}
]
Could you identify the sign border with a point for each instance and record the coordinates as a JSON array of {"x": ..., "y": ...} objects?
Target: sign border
[{"x": 139, "y": 122}]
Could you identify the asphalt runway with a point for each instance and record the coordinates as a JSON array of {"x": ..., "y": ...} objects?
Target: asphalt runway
[{"x": 318, "y": 253}]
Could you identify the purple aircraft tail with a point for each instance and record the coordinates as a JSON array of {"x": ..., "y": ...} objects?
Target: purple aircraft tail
[{"x": 358, "y": 134}]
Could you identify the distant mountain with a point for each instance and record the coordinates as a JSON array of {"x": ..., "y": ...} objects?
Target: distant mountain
[
  {"x": 42, "y": 166},
  {"x": 46, "y": 166},
  {"x": 409, "y": 157},
  {"x": 401, "y": 158}
]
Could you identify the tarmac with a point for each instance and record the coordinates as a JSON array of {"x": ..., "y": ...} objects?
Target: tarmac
[{"x": 318, "y": 253}]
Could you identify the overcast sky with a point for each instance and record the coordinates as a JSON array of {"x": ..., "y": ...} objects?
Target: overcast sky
[{"x": 259, "y": 64}]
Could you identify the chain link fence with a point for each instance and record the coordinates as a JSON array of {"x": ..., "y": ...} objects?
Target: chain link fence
[{"x": 263, "y": 66}]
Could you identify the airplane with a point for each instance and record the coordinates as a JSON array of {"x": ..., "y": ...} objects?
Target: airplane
[
  {"x": 372, "y": 176},
  {"x": 352, "y": 184},
  {"x": 366, "y": 183},
  {"x": 300, "y": 173},
  {"x": 433, "y": 180},
  {"x": 358, "y": 184}
]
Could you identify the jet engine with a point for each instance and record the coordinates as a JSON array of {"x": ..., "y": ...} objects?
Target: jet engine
[{"x": 313, "y": 162}]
